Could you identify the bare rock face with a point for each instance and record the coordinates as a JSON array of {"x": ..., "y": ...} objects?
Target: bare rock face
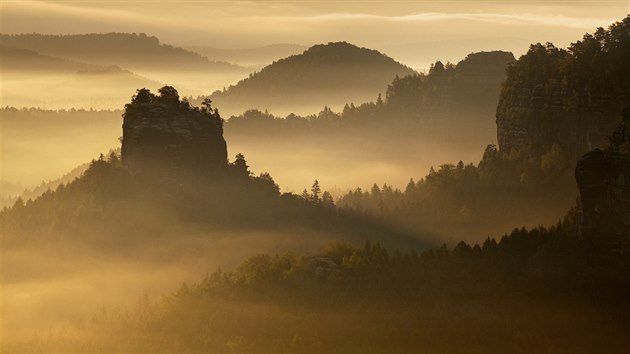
[
  {"x": 534, "y": 118},
  {"x": 165, "y": 138}
]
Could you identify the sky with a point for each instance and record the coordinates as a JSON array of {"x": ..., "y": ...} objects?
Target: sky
[{"x": 413, "y": 32}]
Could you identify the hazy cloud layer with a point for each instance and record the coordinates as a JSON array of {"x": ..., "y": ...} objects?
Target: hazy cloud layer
[{"x": 375, "y": 24}]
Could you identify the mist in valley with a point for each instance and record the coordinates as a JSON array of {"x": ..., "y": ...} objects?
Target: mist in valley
[{"x": 308, "y": 178}]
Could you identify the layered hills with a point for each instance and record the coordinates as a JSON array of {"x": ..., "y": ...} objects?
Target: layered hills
[
  {"x": 137, "y": 52},
  {"x": 92, "y": 70}
]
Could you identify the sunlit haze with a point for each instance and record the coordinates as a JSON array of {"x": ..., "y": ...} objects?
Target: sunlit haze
[{"x": 314, "y": 177}]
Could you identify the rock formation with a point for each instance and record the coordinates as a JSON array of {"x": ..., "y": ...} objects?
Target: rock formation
[
  {"x": 603, "y": 178},
  {"x": 165, "y": 138},
  {"x": 570, "y": 98},
  {"x": 532, "y": 118}
]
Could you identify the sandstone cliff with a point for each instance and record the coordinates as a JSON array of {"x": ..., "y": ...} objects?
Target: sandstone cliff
[
  {"x": 571, "y": 98},
  {"x": 166, "y": 138}
]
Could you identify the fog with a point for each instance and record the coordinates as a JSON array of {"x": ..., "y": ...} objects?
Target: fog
[
  {"x": 51, "y": 285},
  {"x": 44, "y": 145},
  {"x": 364, "y": 205},
  {"x": 374, "y": 24},
  {"x": 344, "y": 161}
]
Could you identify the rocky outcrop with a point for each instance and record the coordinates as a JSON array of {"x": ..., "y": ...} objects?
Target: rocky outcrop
[
  {"x": 166, "y": 138},
  {"x": 534, "y": 118},
  {"x": 603, "y": 178}
]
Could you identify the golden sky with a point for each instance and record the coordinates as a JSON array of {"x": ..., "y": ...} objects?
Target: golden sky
[{"x": 401, "y": 28}]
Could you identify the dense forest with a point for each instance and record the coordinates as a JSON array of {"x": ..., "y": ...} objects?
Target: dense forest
[
  {"x": 539, "y": 290},
  {"x": 466, "y": 201}
]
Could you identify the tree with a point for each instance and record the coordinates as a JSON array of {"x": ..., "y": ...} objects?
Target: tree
[
  {"x": 143, "y": 95},
  {"x": 315, "y": 190},
  {"x": 207, "y": 104},
  {"x": 410, "y": 186},
  {"x": 239, "y": 166},
  {"x": 169, "y": 95},
  {"x": 327, "y": 200}
]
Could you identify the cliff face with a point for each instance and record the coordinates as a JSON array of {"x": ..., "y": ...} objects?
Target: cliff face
[
  {"x": 534, "y": 118},
  {"x": 570, "y": 98},
  {"x": 164, "y": 137},
  {"x": 603, "y": 178}
]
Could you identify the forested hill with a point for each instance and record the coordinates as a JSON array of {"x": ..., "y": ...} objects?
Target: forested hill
[
  {"x": 471, "y": 86},
  {"x": 129, "y": 50},
  {"x": 326, "y": 74}
]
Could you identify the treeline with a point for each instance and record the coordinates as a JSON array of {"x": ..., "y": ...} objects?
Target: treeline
[
  {"x": 459, "y": 199},
  {"x": 7, "y": 110},
  {"x": 544, "y": 289}
]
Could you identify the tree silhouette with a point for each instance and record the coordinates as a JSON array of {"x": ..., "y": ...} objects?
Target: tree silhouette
[{"x": 315, "y": 191}]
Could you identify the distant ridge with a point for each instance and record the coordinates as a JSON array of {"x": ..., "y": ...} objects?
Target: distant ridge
[
  {"x": 325, "y": 74},
  {"x": 129, "y": 50}
]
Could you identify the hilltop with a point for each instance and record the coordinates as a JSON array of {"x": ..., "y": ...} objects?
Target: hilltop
[{"x": 325, "y": 74}]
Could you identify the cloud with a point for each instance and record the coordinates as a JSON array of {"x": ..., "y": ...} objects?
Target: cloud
[{"x": 497, "y": 18}]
